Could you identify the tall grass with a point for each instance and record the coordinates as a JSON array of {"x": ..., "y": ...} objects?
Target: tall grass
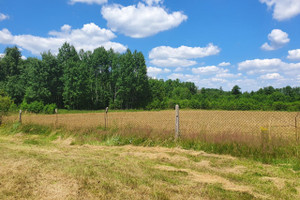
[{"x": 263, "y": 147}]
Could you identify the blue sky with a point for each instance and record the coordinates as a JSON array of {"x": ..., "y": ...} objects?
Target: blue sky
[{"x": 214, "y": 43}]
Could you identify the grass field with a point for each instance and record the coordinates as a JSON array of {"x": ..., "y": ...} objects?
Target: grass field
[
  {"x": 191, "y": 121},
  {"x": 42, "y": 164}
]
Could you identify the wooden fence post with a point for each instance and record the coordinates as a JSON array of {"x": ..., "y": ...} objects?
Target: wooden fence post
[
  {"x": 177, "y": 131},
  {"x": 20, "y": 116},
  {"x": 56, "y": 117},
  {"x": 296, "y": 129},
  {"x": 105, "y": 117}
]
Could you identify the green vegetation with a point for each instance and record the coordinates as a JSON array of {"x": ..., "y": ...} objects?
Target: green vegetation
[
  {"x": 5, "y": 104},
  {"x": 40, "y": 163},
  {"x": 279, "y": 150},
  {"x": 95, "y": 80}
]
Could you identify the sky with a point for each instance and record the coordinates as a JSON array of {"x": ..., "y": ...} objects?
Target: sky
[{"x": 213, "y": 43}]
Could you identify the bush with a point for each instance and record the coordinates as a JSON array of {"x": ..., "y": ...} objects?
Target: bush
[
  {"x": 36, "y": 107},
  {"x": 49, "y": 108},
  {"x": 194, "y": 104},
  {"x": 24, "y": 105},
  {"x": 184, "y": 103},
  {"x": 279, "y": 106},
  {"x": 13, "y": 107},
  {"x": 5, "y": 103}
]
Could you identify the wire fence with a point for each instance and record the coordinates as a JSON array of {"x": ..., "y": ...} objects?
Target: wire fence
[{"x": 224, "y": 125}]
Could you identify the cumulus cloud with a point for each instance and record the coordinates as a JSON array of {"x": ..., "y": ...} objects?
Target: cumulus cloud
[
  {"x": 184, "y": 77},
  {"x": 260, "y": 65},
  {"x": 269, "y": 66},
  {"x": 294, "y": 54},
  {"x": 141, "y": 20},
  {"x": 271, "y": 76},
  {"x": 173, "y": 62},
  {"x": 277, "y": 38},
  {"x": 283, "y": 9},
  {"x": 3, "y": 17},
  {"x": 165, "y": 56},
  {"x": 89, "y": 37},
  {"x": 99, "y": 2},
  {"x": 228, "y": 75},
  {"x": 154, "y": 71},
  {"x": 179, "y": 69},
  {"x": 209, "y": 70},
  {"x": 224, "y": 64},
  {"x": 153, "y": 2}
]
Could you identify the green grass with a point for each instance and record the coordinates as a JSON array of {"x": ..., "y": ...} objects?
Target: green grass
[
  {"x": 51, "y": 165},
  {"x": 284, "y": 154}
]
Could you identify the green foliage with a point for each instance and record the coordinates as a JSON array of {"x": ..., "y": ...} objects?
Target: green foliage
[
  {"x": 236, "y": 90},
  {"x": 102, "y": 78},
  {"x": 13, "y": 107},
  {"x": 35, "y": 107},
  {"x": 280, "y": 106},
  {"x": 5, "y": 103},
  {"x": 49, "y": 108}
]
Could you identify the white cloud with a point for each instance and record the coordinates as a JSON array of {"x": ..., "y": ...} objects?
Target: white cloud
[
  {"x": 173, "y": 62},
  {"x": 228, "y": 75},
  {"x": 264, "y": 72},
  {"x": 277, "y": 38},
  {"x": 153, "y": 2},
  {"x": 89, "y": 37},
  {"x": 179, "y": 69},
  {"x": 2, "y": 55},
  {"x": 224, "y": 64},
  {"x": 99, "y": 2},
  {"x": 209, "y": 70},
  {"x": 283, "y": 9},
  {"x": 154, "y": 71},
  {"x": 139, "y": 21},
  {"x": 260, "y": 65},
  {"x": 269, "y": 66},
  {"x": 184, "y": 77},
  {"x": 294, "y": 54},
  {"x": 3, "y": 17},
  {"x": 271, "y": 76},
  {"x": 166, "y": 56}
]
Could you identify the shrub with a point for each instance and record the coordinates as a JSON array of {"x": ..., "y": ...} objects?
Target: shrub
[
  {"x": 24, "y": 105},
  {"x": 279, "y": 106},
  {"x": 49, "y": 108},
  {"x": 5, "y": 103},
  {"x": 36, "y": 107},
  {"x": 194, "y": 104},
  {"x": 13, "y": 107}
]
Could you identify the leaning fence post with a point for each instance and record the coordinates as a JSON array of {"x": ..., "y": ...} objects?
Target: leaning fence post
[
  {"x": 105, "y": 117},
  {"x": 20, "y": 116},
  {"x": 177, "y": 132}
]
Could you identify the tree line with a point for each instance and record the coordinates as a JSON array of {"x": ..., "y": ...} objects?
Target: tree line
[{"x": 103, "y": 78}]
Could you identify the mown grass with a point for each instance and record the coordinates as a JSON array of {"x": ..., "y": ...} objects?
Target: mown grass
[
  {"x": 277, "y": 150},
  {"x": 56, "y": 164}
]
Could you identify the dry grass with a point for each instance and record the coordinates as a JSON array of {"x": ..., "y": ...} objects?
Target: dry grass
[
  {"x": 190, "y": 120},
  {"x": 57, "y": 170},
  {"x": 211, "y": 126}
]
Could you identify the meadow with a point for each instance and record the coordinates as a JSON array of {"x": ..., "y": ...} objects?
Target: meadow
[
  {"x": 47, "y": 165},
  {"x": 260, "y": 134},
  {"x": 191, "y": 121},
  {"x": 220, "y": 155}
]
